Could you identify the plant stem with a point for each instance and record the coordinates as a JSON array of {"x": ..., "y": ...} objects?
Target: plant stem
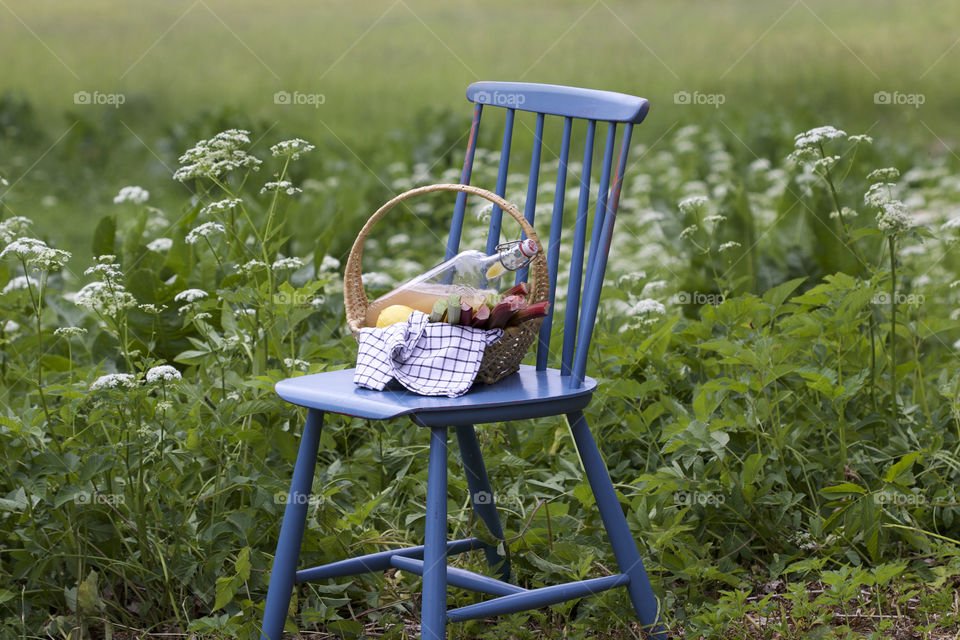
[{"x": 893, "y": 328}]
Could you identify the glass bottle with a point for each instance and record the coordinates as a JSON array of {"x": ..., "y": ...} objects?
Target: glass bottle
[{"x": 472, "y": 274}]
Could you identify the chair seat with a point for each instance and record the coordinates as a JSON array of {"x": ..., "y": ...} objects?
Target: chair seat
[{"x": 526, "y": 394}]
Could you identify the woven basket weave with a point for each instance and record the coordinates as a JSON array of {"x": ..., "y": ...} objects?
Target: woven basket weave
[{"x": 499, "y": 359}]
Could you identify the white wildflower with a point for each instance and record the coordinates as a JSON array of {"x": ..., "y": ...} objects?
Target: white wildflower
[
  {"x": 291, "y": 363},
  {"x": 152, "y": 308},
  {"x": 287, "y": 263},
  {"x": 398, "y": 240},
  {"x": 69, "y": 332},
  {"x": 883, "y": 175},
  {"x": 10, "y": 327},
  {"x": 893, "y": 218},
  {"x": 846, "y": 211},
  {"x": 860, "y": 138},
  {"x": 114, "y": 381},
  {"x": 689, "y": 231},
  {"x": 653, "y": 286},
  {"x": 376, "y": 280},
  {"x": 36, "y": 253},
  {"x": 3, "y": 182},
  {"x": 648, "y": 305},
  {"x": 134, "y": 194},
  {"x": 952, "y": 223},
  {"x": 160, "y": 245},
  {"x": 203, "y": 231},
  {"x": 108, "y": 270},
  {"x": 216, "y": 156},
  {"x": 292, "y": 148},
  {"x": 203, "y": 315},
  {"x": 221, "y": 205},
  {"x": 20, "y": 283},
  {"x": 692, "y": 204},
  {"x": 105, "y": 298},
  {"x": 956, "y": 345},
  {"x": 879, "y": 194},
  {"x": 709, "y": 219},
  {"x": 13, "y": 227},
  {"x": 760, "y": 164},
  {"x": 253, "y": 265},
  {"x": 826, "y": 163},
  {"x": 726, "y": 246},
  {"x": 329, "y": 263},
  {"x": 162, "y": 373},
  {"x": 190, "y": 295},
  {"x": 281, "y": 185},
  {"x": 815, "y": 137},
  {"x": 630, "y": 279}
]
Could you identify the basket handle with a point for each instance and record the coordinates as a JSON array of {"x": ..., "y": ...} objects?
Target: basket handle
[{"x": 354, "y": 295}]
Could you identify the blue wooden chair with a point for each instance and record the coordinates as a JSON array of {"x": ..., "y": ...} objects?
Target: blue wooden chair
[{"x": 535, "y": 391}]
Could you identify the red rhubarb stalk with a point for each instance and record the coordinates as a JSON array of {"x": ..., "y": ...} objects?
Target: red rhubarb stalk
[
  {"x": 536, "y": 310},
  {"x": 466, "y": 314},
  {"x": 503, "y": 311},
  {"x": 480, "y": 317},
  {"x": 520, "y": 289}
]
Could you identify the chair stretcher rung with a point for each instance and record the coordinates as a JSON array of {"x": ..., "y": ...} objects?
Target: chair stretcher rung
[
  {"x": 536, "y": 598},
  {"x": 461, "y": 578},
  {"x": 379, "y": 561}
]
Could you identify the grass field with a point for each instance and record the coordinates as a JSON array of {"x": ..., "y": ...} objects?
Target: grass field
[{"x": 777, "y": 347}]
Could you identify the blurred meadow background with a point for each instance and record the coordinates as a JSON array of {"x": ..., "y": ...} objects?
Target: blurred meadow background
[{"x": 777, "y": 347}]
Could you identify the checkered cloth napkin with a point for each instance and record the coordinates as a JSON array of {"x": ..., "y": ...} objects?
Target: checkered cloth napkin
[{"x": 429, "y": 358}]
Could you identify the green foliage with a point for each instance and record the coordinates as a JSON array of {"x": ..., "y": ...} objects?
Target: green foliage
[{"x": 765, "y": 417}]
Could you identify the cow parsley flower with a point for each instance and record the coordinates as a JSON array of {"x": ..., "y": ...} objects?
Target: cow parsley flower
[
  {"x": 221, "y": 205},
  {"x": 376, "y": 279},
  {"x": 296, "y": 363},
  {"x": 190, "y": 295},
  {"x": 692, "y": 204},
  {"x": 19, "y": 283},
  {"x": 13, "y": 227},
  {"x": 814, "y": 137},
  {"x": 160, "y": 245},
  {"x": 893, "y": 218},
  {"x": 281, "y": 185},
  {"x": 717, "y": 219},
  {"x": 108, "y": 270},
  {"x": 846, "y": 211},
  {"x": 134, "y": 194},
  {"x": 114, "y": 381},
  {"x": 329, "y": 263},
  {"x": 857, "y": 139},
  {"x": 824, "y": 164},
  {"x": 292, "y": 148},
  {"x": 217, "y": 156},
  {"x": 205, "y": 230},
  {"x": 647, "y": 306},
  {"x": 105, "y": 298},
  {"x": 952, "y": 223},
  {"x": 956, "y": 345},
  {"x": 69, "y": 332},
  {"x": 10, "y": 327},
  {"x": 879, "y": 194},
  {"x": 887, "y": 174},
  {"x": 253, "y": 265},
  {"x": 36, "y": 253},
  {"x": 689, "y": 231},
  {"x": 287, "y": 263},
  {"x": 163, "y": 373},
  {"x": 726, "y": 246}
]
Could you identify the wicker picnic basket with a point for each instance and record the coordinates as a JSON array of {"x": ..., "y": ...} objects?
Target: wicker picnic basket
[{"x": 499, "y": 359}]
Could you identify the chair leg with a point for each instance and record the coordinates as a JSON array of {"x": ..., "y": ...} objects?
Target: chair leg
[
  {"x": 624, "y": 547},
  {"x": 433, "y": 616},
  {"x": 291, "y": 531},
  {"x": 481, "y": 495}
]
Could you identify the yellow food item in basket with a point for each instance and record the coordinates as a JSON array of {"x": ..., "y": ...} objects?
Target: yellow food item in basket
[
  {"x": 393, "y": 314},
  {"x": 495, "y": 270}
]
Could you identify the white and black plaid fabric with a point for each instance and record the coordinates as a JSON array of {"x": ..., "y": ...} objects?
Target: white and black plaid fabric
[{"x": 429, "y": 358}]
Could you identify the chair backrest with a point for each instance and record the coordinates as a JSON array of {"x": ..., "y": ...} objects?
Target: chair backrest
[{"x": 570, "y": 103}]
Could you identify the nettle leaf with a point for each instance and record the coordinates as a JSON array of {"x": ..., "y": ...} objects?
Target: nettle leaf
[{"x": 842, "y": 489}]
